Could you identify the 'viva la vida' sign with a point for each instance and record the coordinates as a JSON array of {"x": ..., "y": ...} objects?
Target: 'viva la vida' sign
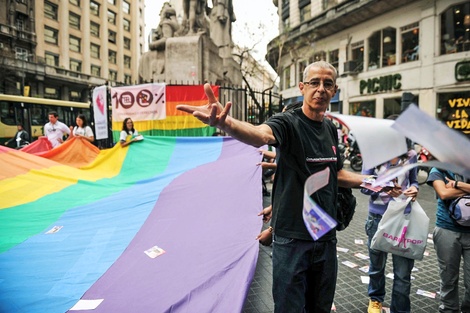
[{"x": 458, "y": 118}]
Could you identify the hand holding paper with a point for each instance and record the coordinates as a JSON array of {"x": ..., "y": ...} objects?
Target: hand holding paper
[{"x": 317, "y": 221}]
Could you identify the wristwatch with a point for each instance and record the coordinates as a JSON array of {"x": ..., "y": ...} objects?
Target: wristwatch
[{"x": 455, "y": 184}]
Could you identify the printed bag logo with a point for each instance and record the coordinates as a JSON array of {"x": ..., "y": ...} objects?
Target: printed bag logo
[{"x": 403, "y": 239}]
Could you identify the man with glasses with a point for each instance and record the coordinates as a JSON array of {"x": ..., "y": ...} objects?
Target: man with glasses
[
  {"x": 55, "y": 130},
  {"x": 304, "y": 271}
]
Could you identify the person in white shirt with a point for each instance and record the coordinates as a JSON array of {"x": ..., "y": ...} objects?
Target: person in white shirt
[
  {"x": 55, "y": 130},
  {"x": 82, "y": 129},
  {"x": 128, "y": 130}
]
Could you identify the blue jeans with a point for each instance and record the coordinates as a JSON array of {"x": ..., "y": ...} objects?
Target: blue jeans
[
  {"x": 304, "y": 275},
  {"x": 451, "y": 247},
  {"x": 401, "y": 272}
]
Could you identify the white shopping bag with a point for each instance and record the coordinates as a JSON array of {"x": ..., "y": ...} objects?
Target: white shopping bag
[{"x": 402, "y": 234}]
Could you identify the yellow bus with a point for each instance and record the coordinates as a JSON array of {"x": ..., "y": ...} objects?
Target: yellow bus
[{"x": 32, "y": 113}]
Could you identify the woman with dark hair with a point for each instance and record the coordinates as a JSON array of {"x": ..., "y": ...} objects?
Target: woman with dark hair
[
  {"x": 82, "y": 129},
  {"x": 404, "y": 186},
  {"x": 128, "y": 130}
]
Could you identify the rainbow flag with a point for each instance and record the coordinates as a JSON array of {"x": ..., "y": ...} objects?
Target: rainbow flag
[
  {"x": 176, "y": 123},
  {"x": 167, "y": 224}
]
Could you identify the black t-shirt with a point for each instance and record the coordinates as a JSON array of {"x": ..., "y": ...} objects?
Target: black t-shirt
[{"x": 305, "y": 147}]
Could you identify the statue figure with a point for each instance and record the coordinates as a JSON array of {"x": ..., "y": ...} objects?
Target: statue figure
[
  {"x": 194, "y": 20},
  {"x": 152, "y": 63},
  {"x": 167, "y": 27},
  {"x": 222, "y": 16}
]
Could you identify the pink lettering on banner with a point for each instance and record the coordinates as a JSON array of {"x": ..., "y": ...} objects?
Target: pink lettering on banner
[
  {"x": 145, "y": 102},
  {"x": 402, "y": 239}
]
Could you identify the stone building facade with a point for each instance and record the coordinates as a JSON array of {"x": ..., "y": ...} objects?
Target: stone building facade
[{"x": 382, "y": 50}]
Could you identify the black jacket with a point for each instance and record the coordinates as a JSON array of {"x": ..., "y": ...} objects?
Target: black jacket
[{"x": 24, "y": 138}]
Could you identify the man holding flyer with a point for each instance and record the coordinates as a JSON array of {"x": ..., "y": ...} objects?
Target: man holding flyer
[{"x": 304, "y": 270}]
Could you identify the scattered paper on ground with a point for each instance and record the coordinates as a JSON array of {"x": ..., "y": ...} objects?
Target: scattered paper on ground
[{"x": 426, "y": 293}]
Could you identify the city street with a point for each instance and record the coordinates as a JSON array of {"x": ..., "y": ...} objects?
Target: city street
[{"x": 351, "y": 292}]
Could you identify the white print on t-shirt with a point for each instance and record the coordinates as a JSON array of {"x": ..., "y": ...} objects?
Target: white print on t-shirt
[{"x": 320, "y": 160}]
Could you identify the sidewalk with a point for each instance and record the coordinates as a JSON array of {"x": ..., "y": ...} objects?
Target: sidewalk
[{"x": 351, "y": 292}]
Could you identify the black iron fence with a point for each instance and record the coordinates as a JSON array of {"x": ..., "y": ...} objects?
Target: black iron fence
[{"x": 250, "y": 105}]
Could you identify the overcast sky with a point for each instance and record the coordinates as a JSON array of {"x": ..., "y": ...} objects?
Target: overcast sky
[{"x": 246, "y": 30}]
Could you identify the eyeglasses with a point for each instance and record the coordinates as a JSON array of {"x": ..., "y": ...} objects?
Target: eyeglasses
[{"x": 315, "y": 84}]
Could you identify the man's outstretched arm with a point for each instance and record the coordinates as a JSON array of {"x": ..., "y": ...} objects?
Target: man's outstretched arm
[
  {"x": 214, "y": 114},
  {"x": 349, "y": 179}
]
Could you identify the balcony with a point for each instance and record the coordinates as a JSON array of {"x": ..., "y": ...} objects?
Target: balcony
[
  {"x": 336, "y": 19},
  {"x": 22, "y": 35}
]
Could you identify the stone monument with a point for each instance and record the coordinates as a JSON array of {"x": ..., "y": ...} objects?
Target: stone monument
[{"x": 197, "y": 51}]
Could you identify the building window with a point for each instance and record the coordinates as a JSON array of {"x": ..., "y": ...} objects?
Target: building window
[
  {"x": 127, "y": 61},
  {"x": 318, "y": 56},
  {"x": 75, "y": 2},
  {"x": 111, "y": 17},
  {"x": 126, "y": 7},
  {"x": 111, "y": 36},
  {"x": 285, "y": 13},
  {"x": 75, "y": 66},
  {"x": 126, "y": 24},
  {"x": 127, "y": 43},
  {"x": 52, "y": 59},
  {"x": 357, "y": 55},
  {"x": 113, "y": 2},
  {"x": 74, "y": 44},
  {"x": 410, "y": 42},
  {"x": 95, "y": 51},
  {"x": 51, "y": 35},
  {"x": 455, "y": 29},
  {"x": 95, "y": 70},
  {"x": 21, "y": 54},
  {"x": 112, "y": 56},
  {"x": 333, "y": 58},
  {"x": 302, "y": 65},
  {"x": 366, "y": 108},
  {"x": 74, "y": 20},
  {"x": 305, "y": 12},
  {"x": 112, "y": 75},
  {"x": 127, "y": 79},
  {"x": 286, "y": 79},
  {"x": 392, "y": 107},
  {"x": 95, "y": 29},
  {"x": 50, "y": 10},
  {"x": 285, "y": 8},
  {"x": 382, "y": 48},
  {"x": 94, "y": 8},
  {"x": 20, "y": 22}
]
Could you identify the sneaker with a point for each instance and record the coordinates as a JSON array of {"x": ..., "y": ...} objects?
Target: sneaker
[{"x": 374, "y": 307}]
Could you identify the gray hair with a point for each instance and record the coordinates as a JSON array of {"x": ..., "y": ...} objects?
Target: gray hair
[{"x": 320, "y": 64}]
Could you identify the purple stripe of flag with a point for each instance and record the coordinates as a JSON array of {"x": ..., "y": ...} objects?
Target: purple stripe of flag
[{"x": 206, "y": 221}]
